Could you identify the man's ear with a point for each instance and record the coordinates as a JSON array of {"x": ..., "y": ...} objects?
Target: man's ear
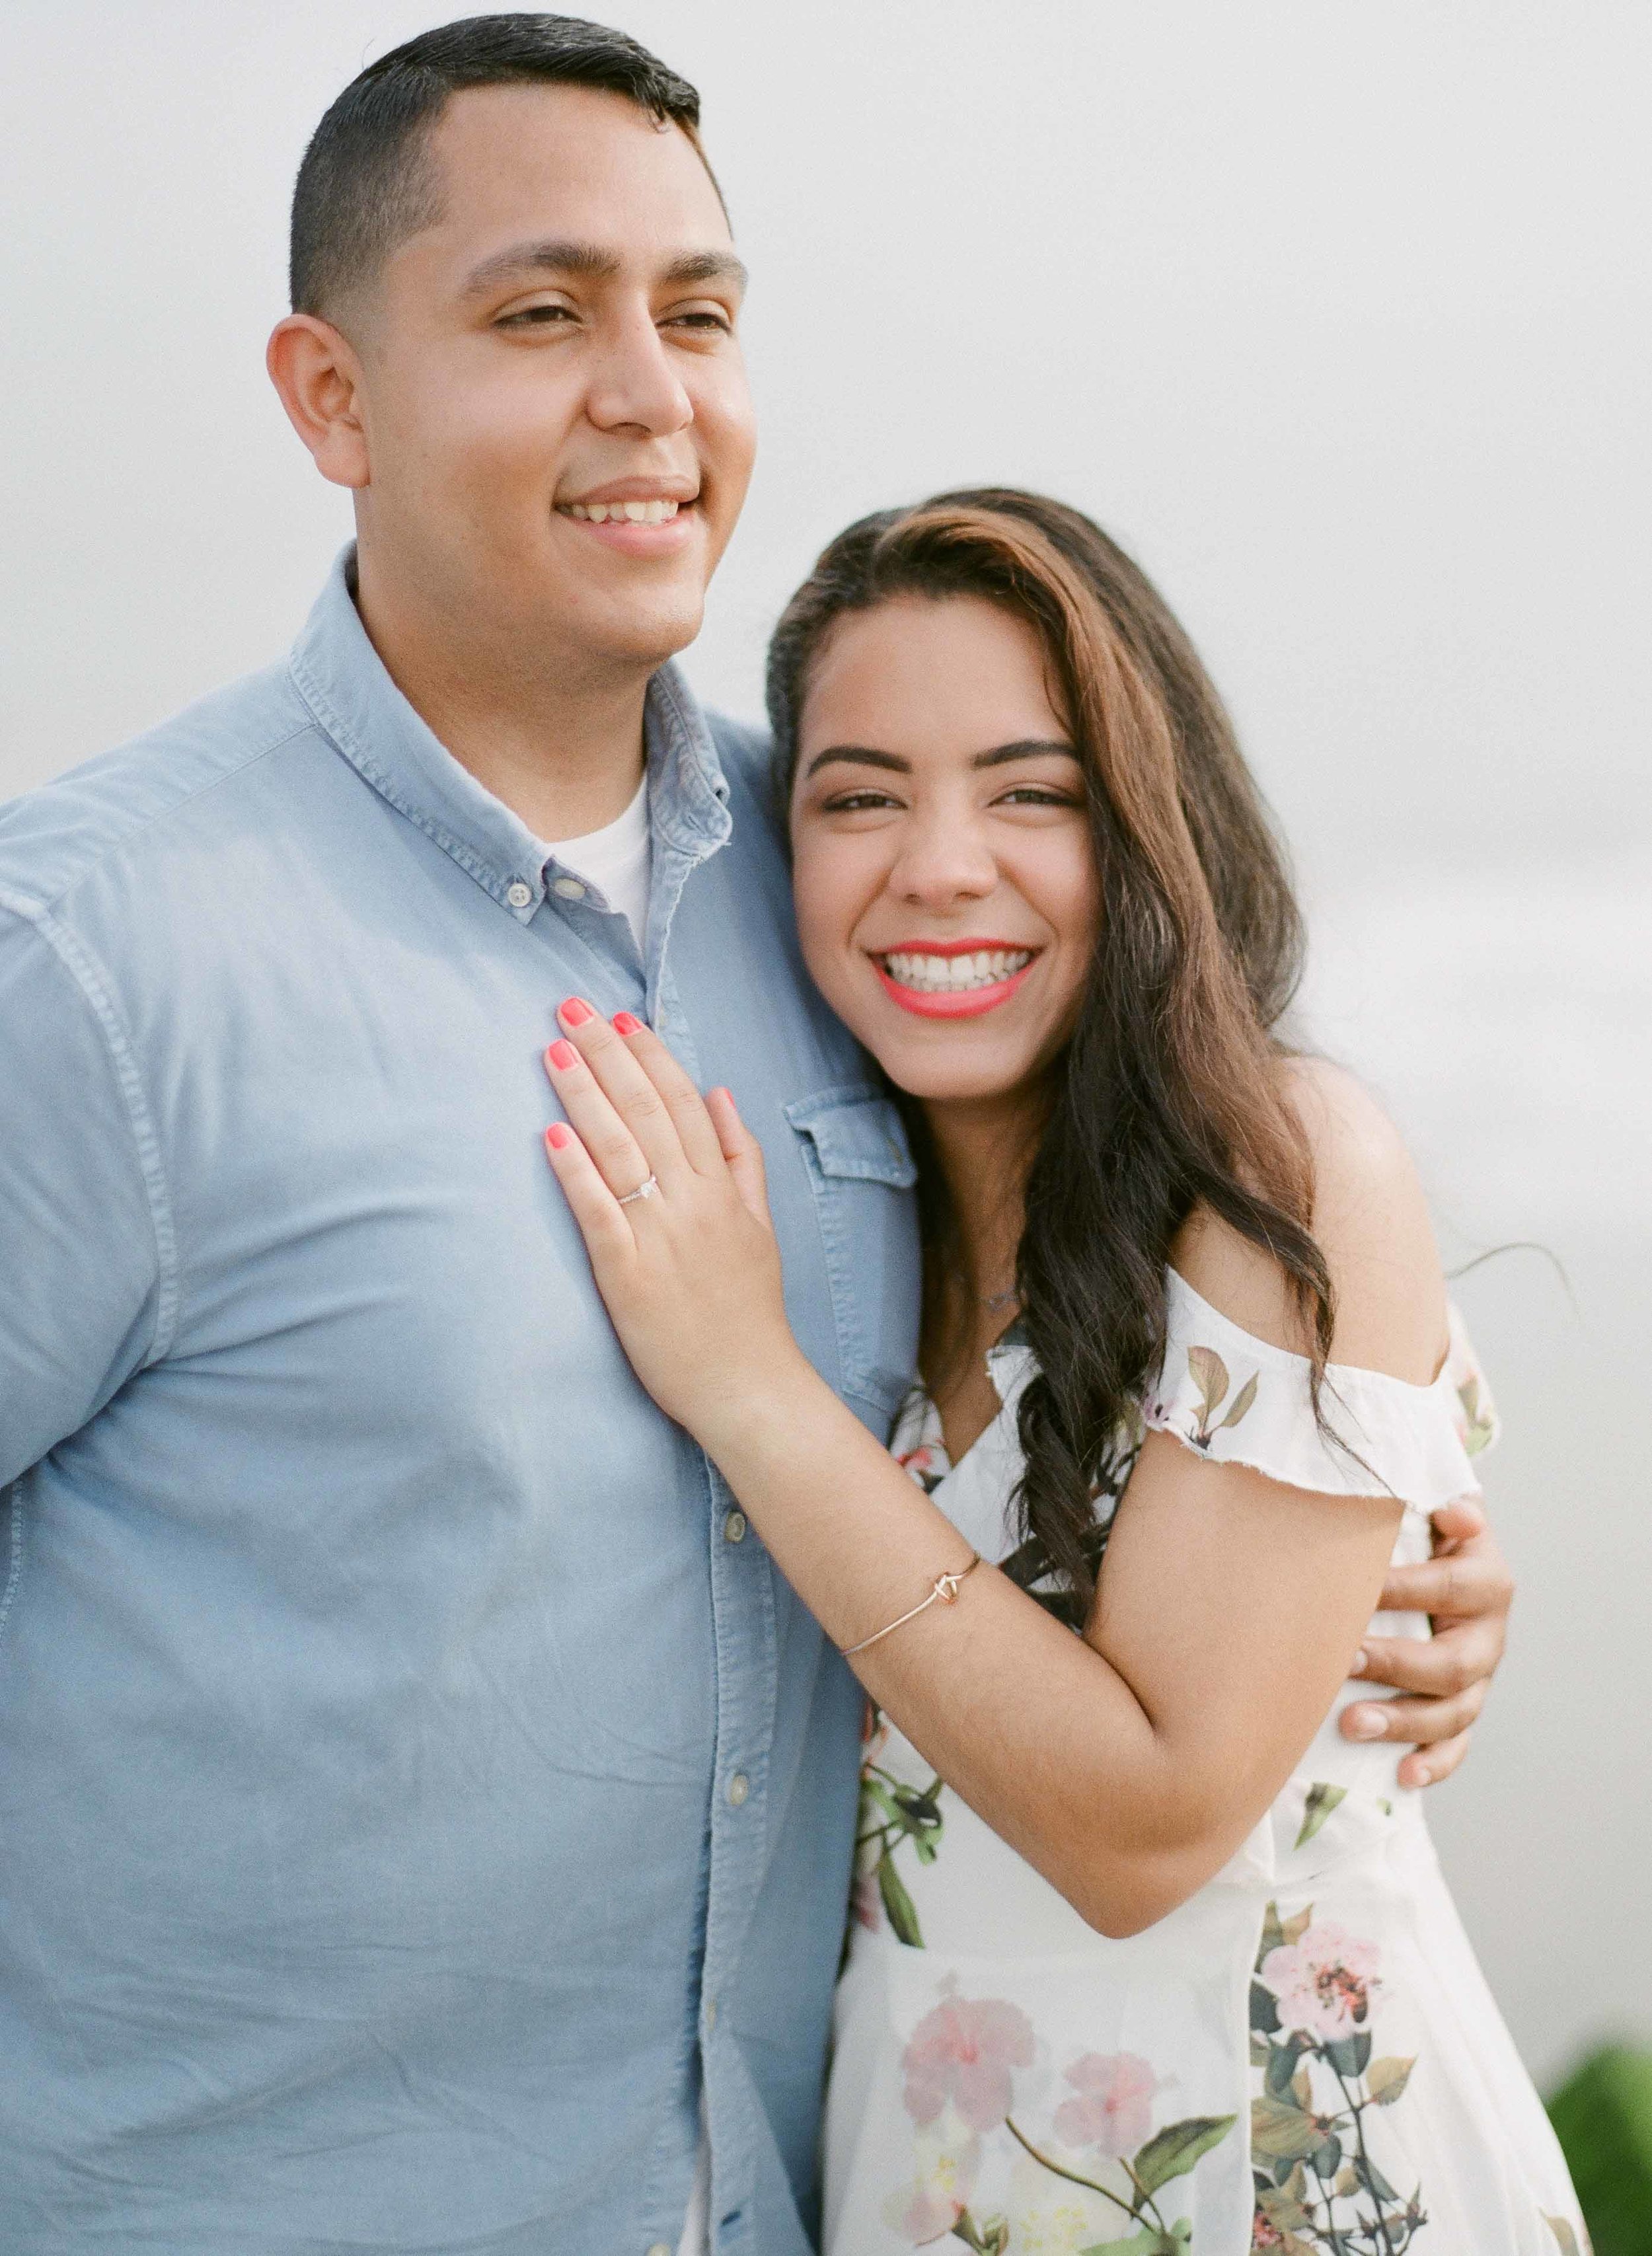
[{"x": 314, "y": 369}]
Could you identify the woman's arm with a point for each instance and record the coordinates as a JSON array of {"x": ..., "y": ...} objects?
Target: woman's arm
[{"x": 1127, "y": 1765}]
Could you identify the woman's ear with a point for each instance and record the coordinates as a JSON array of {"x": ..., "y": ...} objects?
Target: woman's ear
[{"x": 314, "y": 369}]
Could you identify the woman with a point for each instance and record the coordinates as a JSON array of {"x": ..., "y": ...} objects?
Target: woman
[{"x": 1150, "y": 1958}]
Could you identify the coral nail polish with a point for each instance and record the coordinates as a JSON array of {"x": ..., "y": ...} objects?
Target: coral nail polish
[
  {"x": 625, "y": 1024},
  {"x": 576, "y": 1011},
  {"x": 562, "y": 1056},
  {"x": 557, "y": 1137}
]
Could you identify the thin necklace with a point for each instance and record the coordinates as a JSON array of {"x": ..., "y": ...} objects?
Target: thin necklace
[{"x": 995, "y": 1301}]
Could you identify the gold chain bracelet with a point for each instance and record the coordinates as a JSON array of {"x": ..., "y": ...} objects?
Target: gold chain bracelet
[{"x": 944, "y": 1593}]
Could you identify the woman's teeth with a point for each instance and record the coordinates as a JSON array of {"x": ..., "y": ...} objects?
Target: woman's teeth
[
  {"x": 628, "y": 512},
  {"x": 957, "y": 974}
]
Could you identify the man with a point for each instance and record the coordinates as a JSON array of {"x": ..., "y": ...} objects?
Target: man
[{"x": 415, "y": 1784}]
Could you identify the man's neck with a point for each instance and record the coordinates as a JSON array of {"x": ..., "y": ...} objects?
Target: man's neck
[{"x": 559, "y": 742}]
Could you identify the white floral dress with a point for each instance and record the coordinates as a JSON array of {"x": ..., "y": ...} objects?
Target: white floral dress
[{"x": 1304, "y": 2056}]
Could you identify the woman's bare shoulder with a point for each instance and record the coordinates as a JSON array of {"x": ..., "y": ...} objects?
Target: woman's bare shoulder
[{"x": 1370, "y": 1221}]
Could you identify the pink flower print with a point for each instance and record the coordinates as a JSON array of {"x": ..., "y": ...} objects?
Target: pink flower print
[
  {"x": 1114, "y": 2113},
  {"x": 1323, "y": 1982},
  {"x": 963, "y": 2051},
  {"x": 931, "y": 2204},
  {"x": 866, "y": 1900}
]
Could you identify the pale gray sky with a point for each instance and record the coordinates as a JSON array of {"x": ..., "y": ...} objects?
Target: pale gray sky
[{"x": 1338, "y": 317}]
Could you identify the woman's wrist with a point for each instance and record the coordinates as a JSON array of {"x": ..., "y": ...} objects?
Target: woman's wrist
[{"x": 761, "y": 1410}]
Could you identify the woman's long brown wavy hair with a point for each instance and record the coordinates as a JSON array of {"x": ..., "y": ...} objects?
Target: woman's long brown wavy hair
[{"x": 1167, "y": 1096}]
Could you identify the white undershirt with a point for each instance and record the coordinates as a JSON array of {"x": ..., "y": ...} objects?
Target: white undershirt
[
  {"x": 617, "y": 861},
  {"x": 696, "y": 2231}
]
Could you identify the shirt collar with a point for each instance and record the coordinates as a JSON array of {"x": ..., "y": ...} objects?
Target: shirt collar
[{"x": 343, "y": 680}]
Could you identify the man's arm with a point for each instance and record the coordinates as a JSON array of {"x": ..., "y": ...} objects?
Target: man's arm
[
  {"x": 1467, "y": 1590},
  {"x": 85, "y": 1235}
]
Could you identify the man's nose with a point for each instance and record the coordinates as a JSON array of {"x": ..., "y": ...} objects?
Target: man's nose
[
  {"x": 942, "y": 861},
  {"x": 633, "y": 383}
]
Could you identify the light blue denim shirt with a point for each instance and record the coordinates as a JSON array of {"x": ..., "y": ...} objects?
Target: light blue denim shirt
[{"x": 410, "y": 1763}]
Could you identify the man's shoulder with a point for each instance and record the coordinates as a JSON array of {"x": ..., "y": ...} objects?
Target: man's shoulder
[
  {"x": 745, "y": 752},
  {"x": 745, "y": 747},
  {"x": 127, "y": 799}
]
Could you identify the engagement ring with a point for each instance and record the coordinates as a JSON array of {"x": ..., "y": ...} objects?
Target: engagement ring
[{"x": 642, "y": 1191}]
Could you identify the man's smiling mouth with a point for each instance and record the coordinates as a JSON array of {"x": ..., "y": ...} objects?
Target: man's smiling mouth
[{"x": 626, "y": 513}]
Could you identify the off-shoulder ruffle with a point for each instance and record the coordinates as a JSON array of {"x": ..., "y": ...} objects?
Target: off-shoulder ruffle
[{"x": 1241, "y": 1400}]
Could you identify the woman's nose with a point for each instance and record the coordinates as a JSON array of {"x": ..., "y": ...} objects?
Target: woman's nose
[{"x": 942, "y": 863}]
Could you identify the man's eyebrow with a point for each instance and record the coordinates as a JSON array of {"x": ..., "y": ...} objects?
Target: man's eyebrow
[
  {"x": 588, "y": 262},
  {"x": 1025, "y": 748},
  {"x": 708, "y": 266}
]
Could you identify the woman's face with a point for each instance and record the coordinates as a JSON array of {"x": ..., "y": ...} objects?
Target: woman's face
[{"x": 946, "y": 886}]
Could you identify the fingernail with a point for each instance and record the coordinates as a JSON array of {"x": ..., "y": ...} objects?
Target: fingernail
[
  {"x": 576, "y": 1011},
  {"x": 562, "y": 1056},
  {"x": 624, "y": 1023},
  {"x": 556, "y": 1135},
  {"x": 1422, "y": 1775},
  {"x": 1366, "y": 1723},
  {"x": 1362, "y": 1662}
]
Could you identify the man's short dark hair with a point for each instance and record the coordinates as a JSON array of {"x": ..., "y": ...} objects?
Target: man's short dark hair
[{"x": 367, "y": 182}]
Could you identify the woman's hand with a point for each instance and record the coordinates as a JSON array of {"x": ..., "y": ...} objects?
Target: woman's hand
[{"x": 689, "y": 1272}]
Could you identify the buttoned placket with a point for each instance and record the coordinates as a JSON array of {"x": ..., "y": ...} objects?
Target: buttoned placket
[{"x": 690, "y": 822}]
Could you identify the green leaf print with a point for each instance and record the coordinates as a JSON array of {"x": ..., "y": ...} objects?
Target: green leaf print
[
  {"x": 1479, "y": 1425},
  {"x": 1145, "y": 2243},
  {"x": 1173, "y": 2151},
  {"x": 1282, "y": 2132},
  {"x": 1322, "y": 1800},
  {"x": 898, "y": 1904},
  {"x": 1242, "y": 1402},
  {"x": 1209, "y": 1374},
  {"x": 1386, "y": 2079}
]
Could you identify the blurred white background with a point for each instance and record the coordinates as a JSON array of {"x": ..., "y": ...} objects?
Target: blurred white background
[{"x": 1339, "y": 319}]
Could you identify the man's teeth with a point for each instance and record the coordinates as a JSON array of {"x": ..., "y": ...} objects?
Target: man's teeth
[
  {"x": 957, "y": 974},
  {"x": 628, "y": 512}
]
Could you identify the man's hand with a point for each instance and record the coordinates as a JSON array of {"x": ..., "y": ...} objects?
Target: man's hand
[{"x": 1467, "y": 1589}]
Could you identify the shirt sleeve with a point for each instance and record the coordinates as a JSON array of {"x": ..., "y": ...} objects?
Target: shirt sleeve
[
  {"x": 1238, "y": 1399},
  {"x": 84, "y": 1236}
]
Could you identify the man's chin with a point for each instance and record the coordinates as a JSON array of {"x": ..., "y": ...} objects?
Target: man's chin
[{"x": 642, "y": 636}]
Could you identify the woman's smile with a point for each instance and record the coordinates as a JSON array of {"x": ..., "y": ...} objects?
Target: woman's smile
[{"x": 953, "y": 978}]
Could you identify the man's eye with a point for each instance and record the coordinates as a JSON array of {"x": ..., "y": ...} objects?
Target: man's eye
[
  {"x": 707, "y": 320},
  {"x": 535, "y": 317}
]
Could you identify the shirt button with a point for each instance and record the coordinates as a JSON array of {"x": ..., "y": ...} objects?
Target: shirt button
[
  {"x": 710, "y": 2013},
  {"x": 659, "y": 2248},
  {"x": 519, "y": 895},
  {"x": 734, "y": 1528},
  {"x": 570, "y": 888},
  {"x": 740, "y": 1787}
]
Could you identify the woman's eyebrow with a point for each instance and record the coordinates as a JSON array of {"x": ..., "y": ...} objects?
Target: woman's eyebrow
[
  {"x": 859, "y": 756},
  {"x": 1025, "y": 748}
]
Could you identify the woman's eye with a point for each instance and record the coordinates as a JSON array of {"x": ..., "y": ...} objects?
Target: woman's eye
[
  {"x": 855, "y": 802},
  {"x": 1034, "y": 794}
]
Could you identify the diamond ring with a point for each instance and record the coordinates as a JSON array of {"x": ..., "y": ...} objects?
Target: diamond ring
[{"x": 642, "y": 1191}]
